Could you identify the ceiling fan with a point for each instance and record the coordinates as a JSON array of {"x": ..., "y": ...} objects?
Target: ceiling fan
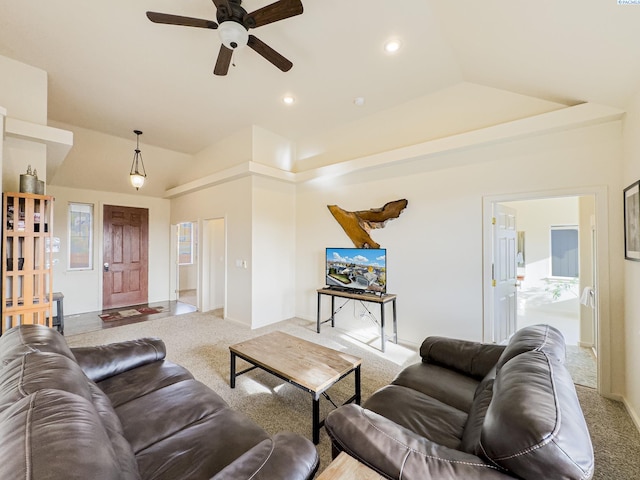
[{"x": 233, "y": 26}]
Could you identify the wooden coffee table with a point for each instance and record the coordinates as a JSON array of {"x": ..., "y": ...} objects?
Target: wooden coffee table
[{"x": 308, "y": 366}]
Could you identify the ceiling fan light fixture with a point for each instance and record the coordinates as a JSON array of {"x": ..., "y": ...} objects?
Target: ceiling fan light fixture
[
  {"x": 233, "y": 34},
  {"x": 138, "y": 173}
]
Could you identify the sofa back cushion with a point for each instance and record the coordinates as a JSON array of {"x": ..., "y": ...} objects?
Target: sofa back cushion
[
  {"x": 55, "y": 434},
  {"x": 22, "y": 339},
  {"x": 544, "y": 338},
  {"x": 35, "y": 370},
  {"x": 534, "y": 426}
]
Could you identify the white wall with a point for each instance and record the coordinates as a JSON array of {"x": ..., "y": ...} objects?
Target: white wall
[
  {"x": 274, "y": 251},
  {"x": 632, "y": 269},
  {"x": 231, "y": 201},
  {"x": 23, "y": 93},
  {"x": 82, "y": 289},
  {"x": 435, "y": 247}
]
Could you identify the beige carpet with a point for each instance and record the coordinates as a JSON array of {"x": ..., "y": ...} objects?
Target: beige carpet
[{"x": 199, "y": 342}]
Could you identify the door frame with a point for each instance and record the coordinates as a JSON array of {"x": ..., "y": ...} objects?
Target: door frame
[{"x": 602, "y": 331}]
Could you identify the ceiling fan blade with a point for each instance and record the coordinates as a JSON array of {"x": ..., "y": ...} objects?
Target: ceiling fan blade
[
  {"x": 272, "y": 13},
  {"x": 224, "y": 4},
  {"x": 223, "y": 62},
  {"x": 168, "y": 19},
  {"x": 269, "y": 54}
]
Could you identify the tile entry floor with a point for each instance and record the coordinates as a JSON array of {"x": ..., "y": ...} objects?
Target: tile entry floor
[{"x": 89, "y": 322}]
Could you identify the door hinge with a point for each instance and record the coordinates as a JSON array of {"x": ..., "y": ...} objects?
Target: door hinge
[
  {"x": 493, "y": 282},
  {"x": 493, "y": 220}
]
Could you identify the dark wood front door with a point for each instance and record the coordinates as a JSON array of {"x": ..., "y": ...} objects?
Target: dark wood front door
[{"x": 125, "y": 268}]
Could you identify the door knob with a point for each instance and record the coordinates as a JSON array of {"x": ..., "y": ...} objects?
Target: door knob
[{"x": 106, "y": 267}]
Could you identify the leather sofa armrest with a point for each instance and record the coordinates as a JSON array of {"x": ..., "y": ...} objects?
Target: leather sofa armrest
[
  {"x": 397, "y": 452},
  {"x": 471, "y": 358},
  {"x": 285, "y": 456},
  {"x": 105, "y": 361}
]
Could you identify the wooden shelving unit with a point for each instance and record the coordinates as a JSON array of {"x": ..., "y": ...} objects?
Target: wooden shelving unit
[{"x": 27, "y": 279}]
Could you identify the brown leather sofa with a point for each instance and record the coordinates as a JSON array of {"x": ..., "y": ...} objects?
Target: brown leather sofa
[
  {"x": 473, "y": 411},
  {"x": 122, "y": 411}
]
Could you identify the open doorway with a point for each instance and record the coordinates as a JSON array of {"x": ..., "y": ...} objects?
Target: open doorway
[
  {"x": 187, "y": 271},
  {"x": 555, "y": 258}
]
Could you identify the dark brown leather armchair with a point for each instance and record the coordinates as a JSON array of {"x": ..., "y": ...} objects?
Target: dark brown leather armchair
[
  {"x": 473, "y": 411},
  {"x": 122, "y": 411}
]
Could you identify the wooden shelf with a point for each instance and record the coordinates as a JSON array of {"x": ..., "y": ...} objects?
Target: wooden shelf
[{"x": 27, "y": 279}]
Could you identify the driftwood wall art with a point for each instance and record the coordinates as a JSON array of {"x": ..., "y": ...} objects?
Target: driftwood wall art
[{"x": 357, "y": 225}]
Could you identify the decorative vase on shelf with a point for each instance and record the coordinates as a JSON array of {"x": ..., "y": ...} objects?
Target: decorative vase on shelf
[
  {"x": 28, "y": 181},
  {"x": 39, "y": 184}
]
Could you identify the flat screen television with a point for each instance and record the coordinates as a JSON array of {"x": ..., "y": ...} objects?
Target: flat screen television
[{"x": 357, "y": 269}]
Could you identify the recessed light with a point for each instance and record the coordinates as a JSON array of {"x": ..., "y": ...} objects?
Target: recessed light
[
  {"x": 358, "y": 101},
  {"x": 288, "y": 100},
  {"x": 392, "y": 46}
]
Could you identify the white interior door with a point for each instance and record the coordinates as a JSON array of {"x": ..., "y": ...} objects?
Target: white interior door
[
  {"x": 504, "y": 281},
  {"x": 213, "y": 265}
]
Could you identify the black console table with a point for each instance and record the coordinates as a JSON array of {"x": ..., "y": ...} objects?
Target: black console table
[{"x": 381, "y": 300}]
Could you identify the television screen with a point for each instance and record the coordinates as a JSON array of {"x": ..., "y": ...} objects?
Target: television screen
[{"x": 357, "y": 269}]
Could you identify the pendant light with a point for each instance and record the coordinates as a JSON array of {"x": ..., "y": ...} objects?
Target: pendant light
[{"x": 138, "y": 173}]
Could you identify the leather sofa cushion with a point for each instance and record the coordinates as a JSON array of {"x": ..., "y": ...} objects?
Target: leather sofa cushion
[
  {"x": 121, "y": 447},
  {"x": 443, "y": 384},
  {"x": 388, "y": 447},
  {"x": 544, "y": 338},
  {"x": 142, "y": 380},
  {"x": 172, "y": 408},
  {"x": 201, "y": 449},
  {"x": 35, "y": 371},
  {"x": 420, "y": 413},
  {"x": 55, "y": 434},
  {"x": 546, "y": 436},
  {"x": 15, "y": 342}
]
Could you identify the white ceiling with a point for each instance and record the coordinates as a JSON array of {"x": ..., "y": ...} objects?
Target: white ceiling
[{"x": 111, "y": 70}]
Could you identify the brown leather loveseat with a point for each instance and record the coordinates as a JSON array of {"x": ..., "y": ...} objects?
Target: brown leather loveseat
[
  {"x": 122, "y": 411},
  {"x": 473, "y": 411}
]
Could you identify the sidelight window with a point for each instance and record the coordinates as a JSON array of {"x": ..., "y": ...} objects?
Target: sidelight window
[
  {"x": 185, "y": 243},
  {"x": 80, "y": 236}
]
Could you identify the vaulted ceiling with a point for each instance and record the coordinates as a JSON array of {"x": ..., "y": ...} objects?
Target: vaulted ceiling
[{"x": 462, "y": 65}]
